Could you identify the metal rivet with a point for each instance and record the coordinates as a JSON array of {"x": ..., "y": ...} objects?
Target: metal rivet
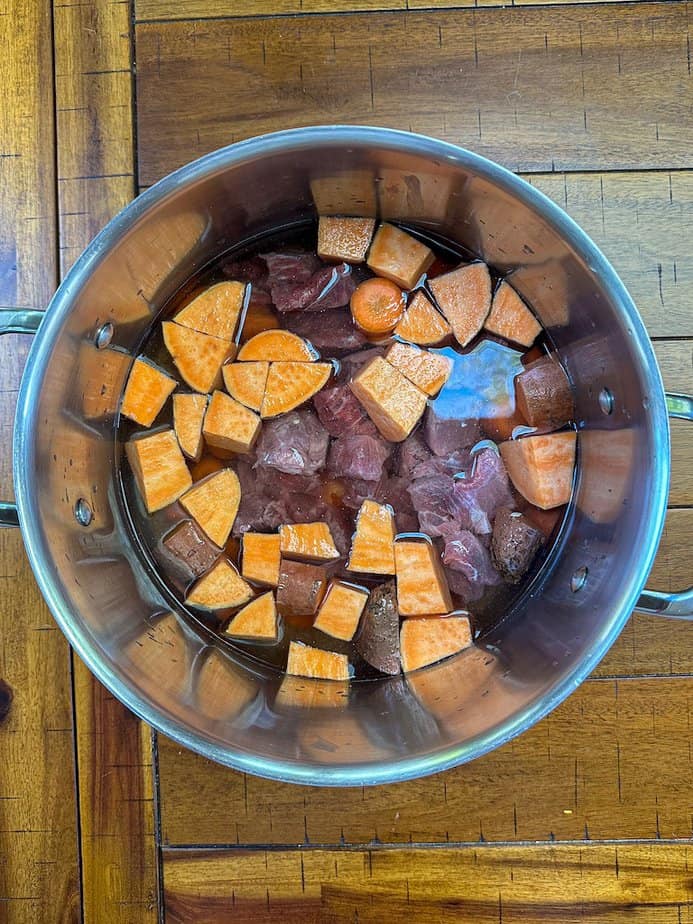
[
  {"x": 104, "y": 335},
  {"x": 579, "y": 578},
  {"x": 606, "y": 401},
  {"x": 83, "y": 512}
]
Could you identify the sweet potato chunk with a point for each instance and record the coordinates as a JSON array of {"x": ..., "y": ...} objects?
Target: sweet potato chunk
[
  {"x": 257, "y": 619},
  {"x": 159, "y": 468},
  {"x": 191, "y": 549},
  {"x": 421, "y": 586},
  {"x": 307, "y": 541},
  {"x": 306, "y": 661},
  {"x": 301, "y": 588},
  {"x": 425, "y": 641},
  {"x": 372, "y": 548},
  {"x": 214, "y": 504},
  {"x": 514, "y": 544},
  {"x": 541, "y": 467},
  {"x": 398, "y": 256},
  {"x": 246, "y": 382},
  {"x": 291, "y": 384},
  {"x": 146, "y": 392},
  {"x": 341, "y": 610},
  {"x": 230, "y": 425},
  {"x": 394, "y": 405},
  {"x": 428, "y": 371},
  {"x": 261, "y": 558},
  {"x": 277, "y": 346},
  {"x": 511, "y": 318},
  {"x": 198, "y": 357},
  {"x": 543, "y": 394},
  {"x": 215, "y": 311},
  {"x": 188, "y": 414},
  {"x": 464, "y": 297},
  {"x": 220, "y": 589},
  {"x": 378, "y": 639},
  {"x": 344, "y": 240},
  {"x": 422, "y": 323}
]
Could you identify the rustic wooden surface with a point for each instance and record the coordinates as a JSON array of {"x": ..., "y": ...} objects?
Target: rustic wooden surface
[{"x": 588, "y": 815}]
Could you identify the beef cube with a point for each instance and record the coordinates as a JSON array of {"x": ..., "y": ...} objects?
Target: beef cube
[
  {"x": 465, "y": 555},
  {"x": 445, "y": 435},
  {"x": 340, "y": 412},
  {"x": 362, "y": 457},
  {"x": 295, "y": 443},
  {"x": 331, "y": 332}
]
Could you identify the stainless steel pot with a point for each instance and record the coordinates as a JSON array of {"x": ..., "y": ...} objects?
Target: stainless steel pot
[{"x": 103, "y": 590}]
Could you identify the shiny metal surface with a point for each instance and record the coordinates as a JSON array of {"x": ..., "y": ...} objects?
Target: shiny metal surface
[{"x": 140, "y": 643}]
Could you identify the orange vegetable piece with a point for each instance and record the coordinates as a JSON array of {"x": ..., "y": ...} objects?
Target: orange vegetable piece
[
  {"x": 257, "y": 619},
  {"x": 275, "y": 346},
  {"x": 259, "y": 316},
  {"x": 206, "y": 466},
  {"x": 290, "y": 384},
  {"x": 421, "y": 586},
  {"x": 341, "y": 610},
  {"x": 198, "y": 357},
  {"x": 146, "y": 392},
  {"x": 306, "y": 661},
  {"x": 511, "y": 318},
  {"x": 464, "y": 297},
  {"x": 246, "y": 382},
  {"x": 220, "y": 589},
  {"x": 159, "y": 468},
  {"x": 188, "y": 414},
  {"x": 541, "y": 467},
  {"x": 228, "y": 424},
  {"x": 344, "y": 240},
  {"x": 398, "y": 256},
  {"x": 421, "y": 323},
  {"x": 377, "y": 305},
  {"x": 428, "y": 371},
  {"x": 372, "y": 548},
  {"x": 214, "y": 504},
  {"x": 425, "y": 641},
  {"x": 307, "y": 542},
  {"x": 261, "y": 558},
  {"x": 394, "y": 405},
  {"x": 215, "y": 311}
]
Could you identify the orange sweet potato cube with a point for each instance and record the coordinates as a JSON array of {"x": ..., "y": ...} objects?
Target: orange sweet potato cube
[
  {"x": 511, "y": 318},
  {"x": 393, "y": 403},
  {"x": 341, "y": 610},
  {"x": 372, "y": 548},
  {"x": 307, "y": 542},
  {"x": 220, "y": 588},
  {"x": 246, "y": 382},
  {"x": 215, "y": 311},
  {"x": 257, "y": 620},
  {"x": 344, "y": 240},
  {"x": 214, "y": 502},
  {"x": 422, "y": 589},
  {"x": 425, "y": 641},
  {"x": 422, "y": 323},
  {"x": 428, "y": 371},
  {"x": 290, "y": 384},
  {"x": 464, "y": 297},
  {"x": 261, "y": 558},
  {"x": 228, "y": 424},
  {"x": 146, "y": 392},
  {"x": 541, "y": 467},
  {"x": 198, "y": 357},
  {"x": 188, "y": 414},
  {"x": 398, "y": 256},
  {"x": 306, "y": 661},
  {"x": 159, "y": 468}
]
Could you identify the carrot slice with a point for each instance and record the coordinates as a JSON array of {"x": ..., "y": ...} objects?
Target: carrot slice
[
  {"x": 541, "y": 467},
  {"x": 230, "y": 425},
  {"x": 261, "y": 558},
  {"x": 246, "y": 382},
  {"x": 372, "y": 548},
  {"x": 198, "y": 357},
  {"x": 214, "y": 504},
  {"x": 220, "y": 589},
  {"x": 188, "y": 414},
  {"x": 206, "y": 466},
  {"x": 215, "y": 311},
  {"x": 307, "y": 541},
  {"x": 159, "y": 468},
  {"x": 341, "y": 610},
  {"x": 543, "y": 394},
  {"x": 306, "y": 661},
  {"x": 425, "y": 641},
  {"x": 421, "y": 323},
  {"x": 511, "y": 318},
  {"x": 394, "y": 405},
  {"x": 257, "y": 619},
  {"x": 398, "y": 256},
  {"x": 428, "y": 371},
  {"x": 146, "y": 392},
  {"x": 421, "y": 586},
  {"x": 464, "y": 297},
  {"x": 344, "y": 240},
  {"x": 291, "y": 384},
  {"x": 377, "y": 305},
  {"x": 277, "y": 345}
]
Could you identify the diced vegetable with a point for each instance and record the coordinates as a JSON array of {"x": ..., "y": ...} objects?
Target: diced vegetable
[
  {"x": 159, "y": 468},
  {"x": 428, "y": 371},
  {"x": 188, "y": 414},
  {"x": 220, "y": 589},
  {"x": 394, "y": 405},
  {"x": 146, "y": 392},
  {"x": 464, "y": 297},
  {"x": 514, "y": 544},
  {"x": 422, "y": 589},
  {"x": 214, "y": 504},
  {"x": 246, "y": 382},
  {"x": 277, "y": 346},
  {"x": 301, "y": 588},
  {"x": 341, "y": 610},
  {"x": 344, "y": 239},
  {"x": 228, "y": 424},
  {"x": 378, "y": 638},
  {"x": 541, "y": 467},
  {"x": 191, "y": 549},
  {"x": 261, "y": 558},
  {"x": 306, "y": 661},
  {"x": 511, "y": 318},
  {"x": 377, "y": 305},
  {"x": 422, "y": 323},
  {"x": 425, "y": 641},
  {"x": 290, "y": 384},
  {"x": 215, "y": 311},
  {"x": 257, "y": 619},
  {"x": 372, "y": 548},
  {"x": 543, "y": 393},
  {"x": 198, "y": 357},
  {"x": 307, "y": 541},
  {"x": 398, "y": 256}
]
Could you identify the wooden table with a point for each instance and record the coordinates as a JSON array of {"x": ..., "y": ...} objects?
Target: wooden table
[{"x": 587, "y": 817}]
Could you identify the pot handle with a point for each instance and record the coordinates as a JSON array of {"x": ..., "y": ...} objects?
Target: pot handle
[
  {"x": 16, "y": 321},
  {"x": 655, "y": 602}
]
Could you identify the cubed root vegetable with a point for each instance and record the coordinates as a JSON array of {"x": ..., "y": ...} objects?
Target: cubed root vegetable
[
  {"x": 306, "y": 661},
  {"x": 290, "y": 384},
  {"x": 341, "y": 610},
  {"x": 220, "y": 589},
  {"x": 188, "y": 414},
  {"x": 422, "y": 589},
  {"x": 428, "y": 371},
  {"x": 307, "y": 541},
  {"x": 277, "y": 346},
  {"x": 257, "y": 620},
  {"x": 511, "y": 318},
  {"x": 372, "y": 548},
  {"x": 191, "y": 549},
  {"x": 261, "y": 558},
  {"x": 425, "y": 641},
  {"x": 422, "y": 323},
  {"x": 301, "y": 588},
  {"x": 394, "y": 405},
  {"x": 146, "y": 392},
  {"x": 377, "y": 305},
  {"x": 398, "y": 256},
  {"x": 541, "y": 467},
  {"x": 377, "y": 641},
  {"x": 230, "y": 425},
  {"x": 198, "y": 357},
  {"x": 543, "y": 394},
  {"x": 344, "y": 239},
  {"x": 464, "y": 297},
  {"x": 246, "y": 382},
  {"x": 215, "y": 311},
  {"x": 159, "y": 468},
  {"x": 214, "y": 504}
]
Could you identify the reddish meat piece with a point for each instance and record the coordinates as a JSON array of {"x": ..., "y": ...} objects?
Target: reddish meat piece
[
  {"x": 477, "y": 497},
  {"x": 395, "y": 492},
  {"x": 295, "y": 443},
  {"x": 332, "y": 332},
  {"x": 357, "y": 456},
  {"x": 258, "y": 513},
  {"x": 445, "y": 435},
  {"x": 412, "y": 453},
  {"x": 251, "y": 269},
  {"x": 340, "y": 412},
  {"x": 514, "y": 544},
  {"x": 328, "y": 287},
  {"x": 453, "y": 464},
  {"x": 291, "y": 268},
  {"x": 469, "y": 560},
  {"x": 357, "y": 490},
  {"x": 432, "y": 498}
]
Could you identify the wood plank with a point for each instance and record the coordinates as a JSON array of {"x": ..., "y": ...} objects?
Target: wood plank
[
  {"x": 648, "y": 883},
  {"x": 490, "y": 80}
]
